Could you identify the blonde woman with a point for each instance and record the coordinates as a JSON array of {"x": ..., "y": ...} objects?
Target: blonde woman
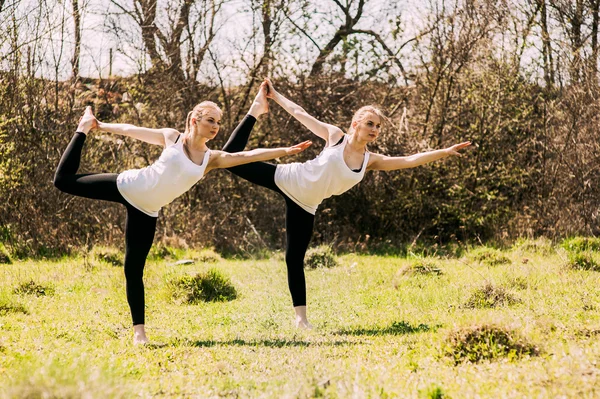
[
  {"x": 340, "y": 166},
  {"x": 185, "y": 160}
]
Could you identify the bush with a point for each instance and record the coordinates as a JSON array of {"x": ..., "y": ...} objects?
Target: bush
[
  {"x": 4, "y": 255},
  {"x": 486, "y": 343},
  {"x": 579, "y": 244},
  {"x": 211, "y": 286},
  {"x": 422, "y": 267},
  {"x": 108, "y": 255},
  {"x": 490, "y": 296},
  {"x": 488, "y": 256},
  {"x": 33, "y": 288},
  {"x": 583, "y": 261},
  {"x": 321, "y": 256}
]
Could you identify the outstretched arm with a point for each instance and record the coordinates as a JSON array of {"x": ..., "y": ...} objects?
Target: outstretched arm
[
  {"x": 153, "y": 136},
  {"x": 222, "y": 159},
  {"x": 383, "y": 162},
  {"x": 324, "y": 130}
]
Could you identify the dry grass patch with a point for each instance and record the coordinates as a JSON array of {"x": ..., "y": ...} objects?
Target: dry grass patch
[
  {"x": 488, "y": 256},
  {"x": 486, "y": 342},
  {"x": 7, "y": 307},
  {"x": 211, "y": 286},
  {"x": 321, "y": 256},
  {"x": 207, "y": 255},
  {"x": 579, "y": 244},
  {"x": 422, "y": 267},
  {"x": 107, "y": 255},
  {"x": 490, "y": 296},
  {"x": 540, "y": 246},
  {"x": 32, "y": 288},
  {"x": 582, "y": 261}
]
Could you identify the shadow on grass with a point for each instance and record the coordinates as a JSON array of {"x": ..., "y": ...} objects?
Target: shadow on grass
[
  {"x": 269, "y": 343},
  {"x": 396, "y": 328}
]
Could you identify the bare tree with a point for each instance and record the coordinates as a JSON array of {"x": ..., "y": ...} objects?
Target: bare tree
[{"x": 164, "y": 39}]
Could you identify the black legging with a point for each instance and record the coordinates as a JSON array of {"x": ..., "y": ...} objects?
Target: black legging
[
  {"x": 139, "y": 227},
  {"x": 298, "y": 222}
]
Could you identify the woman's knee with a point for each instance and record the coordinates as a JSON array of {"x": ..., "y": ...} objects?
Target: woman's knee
[{"x": 63, "y": 183}]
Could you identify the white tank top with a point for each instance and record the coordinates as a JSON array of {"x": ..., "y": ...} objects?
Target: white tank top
[
  {"x": 154, "y": 186},
  {"x": 309, "y": 183}
]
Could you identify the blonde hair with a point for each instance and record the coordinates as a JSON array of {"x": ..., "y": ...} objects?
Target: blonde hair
[
  {"x": 362, "y": 112},
  {"x": 200, "y": 110}
]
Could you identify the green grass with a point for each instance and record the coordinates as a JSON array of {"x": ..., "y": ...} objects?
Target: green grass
[{"x": 378, "y": 333}]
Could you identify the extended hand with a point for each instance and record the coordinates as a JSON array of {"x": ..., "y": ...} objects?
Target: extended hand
[
  {"x": 269, "y": 87},
  {"x": 457, "y": 147},
  {"x": 298, "y": 147},
  {"x": 88, "y": 121}
]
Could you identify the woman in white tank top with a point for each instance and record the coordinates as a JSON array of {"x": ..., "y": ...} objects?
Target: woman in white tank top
[
  {"x": 184, "y": 161},
  {"x": 340, "y": 166}
]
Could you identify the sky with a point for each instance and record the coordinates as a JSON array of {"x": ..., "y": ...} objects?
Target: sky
[{"x": 57, "y": 44}]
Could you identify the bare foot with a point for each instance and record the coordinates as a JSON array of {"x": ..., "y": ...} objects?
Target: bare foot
[
  {"x": 301, "y": 319},
  {"x": 139, "y": 335},
  {"x": 303, "y": 324},
  {"x": 87, "y": 122}
]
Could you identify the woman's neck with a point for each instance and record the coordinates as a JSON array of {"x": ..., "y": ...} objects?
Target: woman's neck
[
  {"x": 195, "y": 142},
  {"x": 356, "y": 144}
]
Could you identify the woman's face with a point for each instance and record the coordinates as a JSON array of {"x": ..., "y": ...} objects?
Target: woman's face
[
  {"x": 208, "y": 124},
  {"x": 369, "y": 127}
]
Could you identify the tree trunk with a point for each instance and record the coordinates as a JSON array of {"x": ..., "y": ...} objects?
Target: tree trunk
[
  {"x": 595, "y": 21},
  {"x": 546, "y": 46},
  {"x": 77, "y": 50}
]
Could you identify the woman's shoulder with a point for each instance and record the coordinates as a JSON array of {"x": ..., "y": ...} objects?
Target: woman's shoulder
[{"x": 172, "y": 137}]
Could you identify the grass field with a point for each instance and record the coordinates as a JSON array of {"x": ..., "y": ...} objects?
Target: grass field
[{"x": 384, "y": 327}]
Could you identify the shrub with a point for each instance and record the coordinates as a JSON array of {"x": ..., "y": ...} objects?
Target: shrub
[
  {"x": 108, "y": 255},
  {"x": 583, "y": 261},
  {"x": 211, "y": 286},
  {"x": 488, "y": 256},
  {"x": 422, "y": 267},
  {"x": 486, "y": 342},
  {"x": 490, "y": 296},
  {"x": 4, "y": 255},
  {"x": 578, "y": 244},
  {"x": 321, "y": 256},
  {"x": 33, "y": 288}
]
